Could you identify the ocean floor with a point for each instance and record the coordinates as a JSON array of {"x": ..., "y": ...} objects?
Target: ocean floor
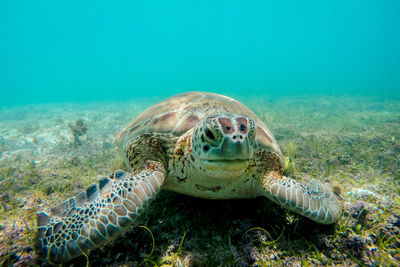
[{"x": 351, "y": 142}]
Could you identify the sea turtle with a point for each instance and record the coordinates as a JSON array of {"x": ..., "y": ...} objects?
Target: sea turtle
[{"x": 200, "y": 144}]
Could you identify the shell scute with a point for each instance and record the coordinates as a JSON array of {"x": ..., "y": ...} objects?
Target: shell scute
[
  {"x": 164, "y": 123},
  {"x": 262, "y": 137},
  {"x": 186, "y": 123}
]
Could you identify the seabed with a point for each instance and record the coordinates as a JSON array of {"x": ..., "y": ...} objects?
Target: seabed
[{"x": 351, "y": 142}]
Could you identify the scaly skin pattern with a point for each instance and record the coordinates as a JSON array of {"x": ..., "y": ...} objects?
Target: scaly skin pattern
[
  {"x": 313, "y": 200},
  {"x": 93, "y": 217}
]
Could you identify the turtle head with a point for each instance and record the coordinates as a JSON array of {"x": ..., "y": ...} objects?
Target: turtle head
[{"x": 224, "y": 143}]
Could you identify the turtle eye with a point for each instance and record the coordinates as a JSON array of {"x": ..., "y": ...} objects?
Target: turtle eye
[
  {"x": 209, "y": 134},
  {"x": 252, "y": 134}
]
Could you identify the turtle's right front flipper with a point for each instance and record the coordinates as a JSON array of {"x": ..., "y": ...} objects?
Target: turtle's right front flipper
[
  {"x": 91, "y": 218},
  {"x": 313, "y": 200}
]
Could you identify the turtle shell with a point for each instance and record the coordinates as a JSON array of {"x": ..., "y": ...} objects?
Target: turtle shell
[{"x": 178, "y": 114}]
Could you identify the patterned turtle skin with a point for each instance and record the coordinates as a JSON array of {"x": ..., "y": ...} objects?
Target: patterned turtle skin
[{"x": 200, "y": 144}]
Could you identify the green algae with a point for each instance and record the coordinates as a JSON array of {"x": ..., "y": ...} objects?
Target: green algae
[
  {"x": 290, "y": 164},
  {"x": 348, "y": 142}
]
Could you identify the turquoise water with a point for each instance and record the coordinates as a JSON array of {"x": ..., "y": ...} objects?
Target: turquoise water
[
  {"x": 323, "y": 75},
  {"x": 63, "y": 51}
]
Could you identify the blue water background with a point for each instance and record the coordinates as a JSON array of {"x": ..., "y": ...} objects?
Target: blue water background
[{"x": 61, "y": 51}]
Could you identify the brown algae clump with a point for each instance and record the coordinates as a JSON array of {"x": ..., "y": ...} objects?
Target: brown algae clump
[{"x": 78, "y": 129}]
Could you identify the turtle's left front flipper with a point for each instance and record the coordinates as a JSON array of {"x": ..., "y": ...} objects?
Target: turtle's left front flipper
[
  {"x": 313, "y": 200},
  {"x": 91, "y": 218}
]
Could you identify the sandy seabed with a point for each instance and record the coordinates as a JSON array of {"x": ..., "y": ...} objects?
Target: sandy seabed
[{"x": 352, "y": 142}]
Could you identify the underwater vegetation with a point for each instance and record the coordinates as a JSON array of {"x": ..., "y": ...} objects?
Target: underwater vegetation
[
  {"x": 78, "y": 129},
  {"x": 289, "y": 159},
  {"x": 350, "y": 142}
]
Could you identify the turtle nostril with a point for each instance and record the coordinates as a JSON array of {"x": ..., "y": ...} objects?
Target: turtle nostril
[{"x": 237, "y": 136}]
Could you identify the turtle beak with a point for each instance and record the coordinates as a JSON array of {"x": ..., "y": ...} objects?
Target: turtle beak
[
  {"x": 235, "y": 147},
  {"x": 230, "y": 159}
]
